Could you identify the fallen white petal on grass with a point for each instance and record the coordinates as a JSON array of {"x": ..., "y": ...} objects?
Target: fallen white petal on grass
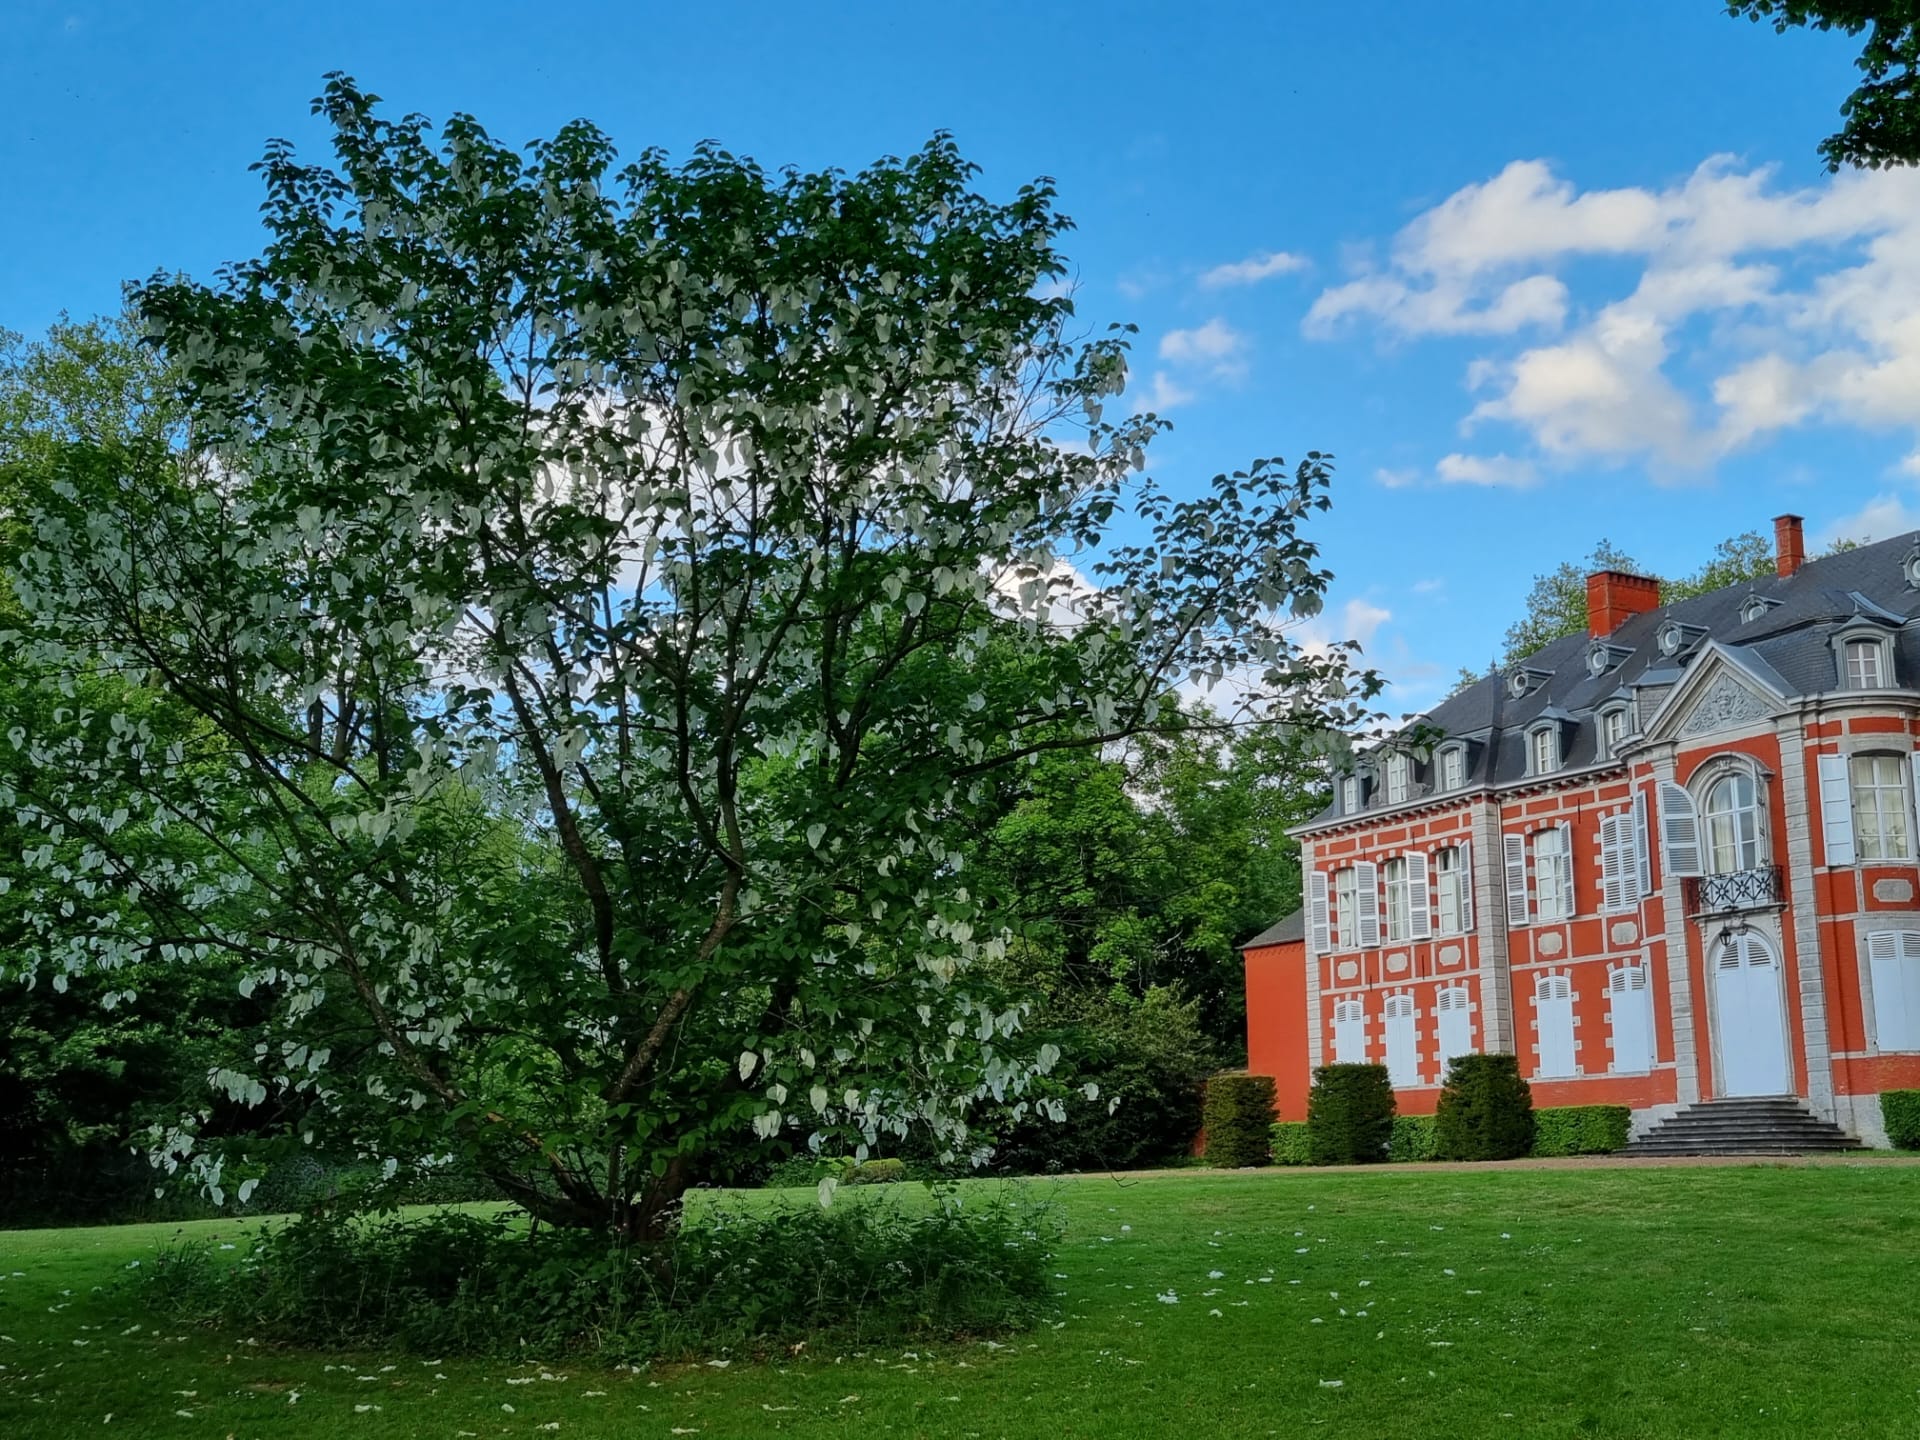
[{"x": 1332, "y": 1384}]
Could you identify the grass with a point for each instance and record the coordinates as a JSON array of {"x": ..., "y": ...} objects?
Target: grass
[{"x": 1611, "y": 1302}]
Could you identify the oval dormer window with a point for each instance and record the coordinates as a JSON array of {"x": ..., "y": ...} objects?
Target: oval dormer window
[
  {"x": 1912, "y": 567},
  {"x": 1753, "y": 610},
  {"x": 1597, "y": 660},
  {"x": 1517, "y": 684},
  {"x": 1669, "y": 639}
]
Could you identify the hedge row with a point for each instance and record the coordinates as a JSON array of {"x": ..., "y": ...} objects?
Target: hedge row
[
  {"x": 1581, "y": 1129},
  {"x": 1237, "y": 1119},
  {"x": 1901, "y": 1110}
]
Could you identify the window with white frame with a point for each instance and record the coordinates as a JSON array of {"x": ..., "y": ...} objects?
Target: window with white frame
[
  {"x": 1893, "y": 963},
  {"x": 1451, "y": 882},
  {"x": 1399, "y": 899},
  {"x": 1865, "y": 664},
  {"x": 1544, "y": 750},
  {"x": 1613, "y": 729},
  {"x": 1880, "y": 810},
  {"x": 1350, "y": 795},
  {"x": 1346, "y": 909},
  {"x": 1399, "y": 775},
  {"x": 1553, "y": 874},
  {"x": 1349, "y": 1033},
  {"x": 1732, "y": 813},
  {"x": 1453, "y": 768}
]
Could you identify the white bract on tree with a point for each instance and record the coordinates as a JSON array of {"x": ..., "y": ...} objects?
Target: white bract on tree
[{"x": 587, "y": 609}]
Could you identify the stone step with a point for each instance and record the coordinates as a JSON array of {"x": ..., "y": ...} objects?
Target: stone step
[{"x": 1746, "y": 1125}]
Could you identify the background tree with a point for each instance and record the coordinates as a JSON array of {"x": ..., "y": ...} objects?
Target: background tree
[
  {"x": 1556, "y": 604},
  {"x": 599, "y": 598},
  {"x": 1881, "y": 118}
]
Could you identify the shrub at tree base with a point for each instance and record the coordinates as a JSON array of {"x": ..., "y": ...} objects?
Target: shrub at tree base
[
  {"x": 1349, "y": 1114},
  {"x": 1238, "y": 1119},
  {"x": 1901, "y": 1109},
  {"x": 1291, "y": 1144},
  {"x": 876, "y": 1172},
  {"x": 1413, "y": 1138},
  {"x": 1581, "y": 1129},
  {"x": 1486, "y": 1110},
  {"x": 861, "y": 1271}
]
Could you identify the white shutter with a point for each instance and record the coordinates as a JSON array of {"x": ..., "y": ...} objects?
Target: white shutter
[
  {"x": 1419, "y": 898},
  {"x": 1642, "y": 849},
  {"x": 1679, "y": 831},
  {"x": 1516, "y": 853},
  {"x": 1455, "y": 1025},
  {"x": 1567, "y": 908},
  {"x": 1630, "y": 1012},
  {"x": 1893, "y": 959},
  {"x": 1349, "y": 1033},
  {"x": 1553, "y": 1016},
  {"x": 1465, "y": 881},
  {"x": 1913, "y": 791},
  {"x": 1319, "y": 940},
  {"x": 1366, "y": 879},
  {"x": 1613, "y": 870},
  {"x": 1403, "y": 1042},
  {"x": 1836, "y": 809}
]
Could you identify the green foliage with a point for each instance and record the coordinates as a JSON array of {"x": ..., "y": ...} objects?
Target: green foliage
[
  {"x": 1901, "y": 1111},
  {"x": 1292, "y": 1145},
  {"x": 1736, "y": 561},
  {"x": 1556, "y": 604},
  {"x": 877, "y": 1172},
  {"x": 596, "y": 614},
  {"x": 1486, "y": 1110},
  {"x": 1881, "y": 118},
  {"x": 1581, "y": 1129},
  {"x": 1350, "y": 1112},
  {"x": 858, "y": 1272},
  {"x": 1238, "y": 1120},
  {"x": 1414, "y": 1137}
]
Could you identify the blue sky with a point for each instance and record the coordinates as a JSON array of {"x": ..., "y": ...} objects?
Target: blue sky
[{"x": 1534, "y": 273}]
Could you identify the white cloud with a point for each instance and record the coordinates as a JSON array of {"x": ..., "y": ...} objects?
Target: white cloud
[
  {"x": 1215, "y": 345},
  {"x": 1750, "y": 307},
  {"x": 1493, "y": 471},
  {"x": 1881, "y": 518},
  {"x": 1253, "y": 269},
  {"x": 1358, "y": 620},
  {"x": 1396, "y": 479},
  {"x": 1162, "y": 394}
]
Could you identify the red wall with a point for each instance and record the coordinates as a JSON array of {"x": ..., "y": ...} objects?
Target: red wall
[{"x": 1277, "y": 1023}]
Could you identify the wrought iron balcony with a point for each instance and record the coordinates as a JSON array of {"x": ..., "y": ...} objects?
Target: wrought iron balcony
[{"x": 1755, "y": 889}]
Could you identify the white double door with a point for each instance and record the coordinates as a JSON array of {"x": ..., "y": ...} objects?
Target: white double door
[{"x": 1749, "y": 1004}]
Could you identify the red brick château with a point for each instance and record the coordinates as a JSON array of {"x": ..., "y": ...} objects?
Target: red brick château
[{"x": 1673, "y": 859}]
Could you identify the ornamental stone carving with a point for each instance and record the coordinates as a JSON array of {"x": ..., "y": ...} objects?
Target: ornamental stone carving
[
  {"x": 1893, "y": 892},
  {"x": 1549, "y": 943},
  {"x": 1449, "y": 954},
  {"x": 1397, "y": 961},
  {"x": 1726, "y": 704},
  {"x": 1347, "y": 969},
  {"x": 1624, "y": 932}
]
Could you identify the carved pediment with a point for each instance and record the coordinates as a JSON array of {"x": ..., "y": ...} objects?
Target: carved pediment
[{"x": 1725, "y": 705}]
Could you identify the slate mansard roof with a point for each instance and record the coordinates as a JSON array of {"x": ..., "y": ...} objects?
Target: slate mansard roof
[
  {"x": 1790, "y": 646},
  {"x": 1281, "y": 932}
]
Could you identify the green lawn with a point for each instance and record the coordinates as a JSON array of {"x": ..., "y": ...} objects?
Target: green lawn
[{"x": 1659, "y": 1302}]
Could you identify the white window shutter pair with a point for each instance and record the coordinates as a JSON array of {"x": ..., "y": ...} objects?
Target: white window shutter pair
[
  {"x": 1836, "y": 809},
  {"x": 1893, "y": 960},
  {"x": 1419, "y": 898},
  {"x": 1614, "y": 861},
  {"x": 1679, "y": 831},
  {"x": 1515, "y": 848},
  {"x": 1319, "y": 930},
  {"x": 1366, "y": 878}
]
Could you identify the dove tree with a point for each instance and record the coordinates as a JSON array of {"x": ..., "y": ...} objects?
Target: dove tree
[{"x": 601, "y": 598}]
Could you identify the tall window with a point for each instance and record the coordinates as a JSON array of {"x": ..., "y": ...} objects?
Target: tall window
[
  {"x": 1864, "y": 670},
  {"x": 1399, "y": 900},
  {"x": 1398, "y": 774},
  {"x": 1349, "y": 795},
  {"x": 1733, "y": 824},
  {"x": 1453, "y": 768},
  {"x": 1450, "y": 881},
  {"x": 1880, "y": 807},
  {"x": 1546, "y": 750},
  {"x": 1552, "y": 876},
  {"x": 1613, "y": 729},
  {"x": 1346, "y": 909}
]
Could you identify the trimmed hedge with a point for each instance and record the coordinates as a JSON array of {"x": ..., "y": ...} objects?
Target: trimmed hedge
[
  {"x": 1291, "y": 1144},
  {"x": 1581, "y": 1129},
  {"x": 1349, "y": 1114},
  {"x": 1237, "y": 1118},
  {"x": 1413, "y": 1138},
  {"x": 1901, "y": 1111},
  {"x": 1486, "y": 1110},
  {"x": 877, "y": 1172}
]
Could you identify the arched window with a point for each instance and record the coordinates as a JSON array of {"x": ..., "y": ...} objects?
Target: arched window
[{"x": 1733, "y": 824}]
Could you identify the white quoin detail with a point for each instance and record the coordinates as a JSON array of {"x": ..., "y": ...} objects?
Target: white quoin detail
[
  {"x": 1319, "y": 931},
  {"x": 1516, "y": 858},
  {"x": 1403, "y": 1053},
  {"x": 1419, "y": 898},
  {"x": 1679, "y": 831},
  {"x": 1366, "y": 877},
  {"x": 1836, "y": 809}
]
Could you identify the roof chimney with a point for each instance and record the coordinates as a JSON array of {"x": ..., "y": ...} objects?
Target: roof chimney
[
  {"x": 1615, "y": 597},
  {"x": 1789, "y": 544}
]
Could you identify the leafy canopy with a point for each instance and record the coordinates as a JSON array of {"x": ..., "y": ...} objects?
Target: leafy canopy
[{"x": 1881, "y": 118}]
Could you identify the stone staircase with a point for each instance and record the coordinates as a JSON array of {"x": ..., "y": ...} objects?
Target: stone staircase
[{"x": 1758, "y": 1125}]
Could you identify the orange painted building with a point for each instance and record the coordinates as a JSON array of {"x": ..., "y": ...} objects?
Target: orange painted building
[{"x": 1674, "y": 859}]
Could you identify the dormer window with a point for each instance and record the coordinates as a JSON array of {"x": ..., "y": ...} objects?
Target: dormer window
[
  {"x": 1755, "y": 608},
  {"x": 1399, "y": 779},
  {"x": 1613, "y": 730},
  {"x": 1866, "y": 665},
  {"x": 1910, "y": 567},
  {"x": 1597, "y": 661},
  {"x": 1524, "y": 679},
  {"x": 1543, "y": 750},
  {"x": 1517, "y": 684},
  {"x": 1671, "y": 638},
  {"x": 1350, "y": 795},
  {"x": 1452, "y": 767}
]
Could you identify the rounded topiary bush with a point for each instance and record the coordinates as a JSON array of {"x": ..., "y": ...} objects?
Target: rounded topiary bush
[
  {"x": 1350, "y": 1114},
  {"x": 1237, "y": 1118},
  {"x": 1486, "y": 1110}
]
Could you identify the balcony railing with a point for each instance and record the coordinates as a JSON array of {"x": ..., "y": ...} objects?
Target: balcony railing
[{"x": 1754, "y": 889}]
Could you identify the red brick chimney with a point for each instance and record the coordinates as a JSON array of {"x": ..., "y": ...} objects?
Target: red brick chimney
[
  {"x": 1615, "y": 597},
  {"x": 1789, "y": 544}
]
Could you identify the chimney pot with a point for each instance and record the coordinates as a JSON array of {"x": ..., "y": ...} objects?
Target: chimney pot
[
  {"x": 1615, "y": 597},
  {"x": 1789, "y": 544}
]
